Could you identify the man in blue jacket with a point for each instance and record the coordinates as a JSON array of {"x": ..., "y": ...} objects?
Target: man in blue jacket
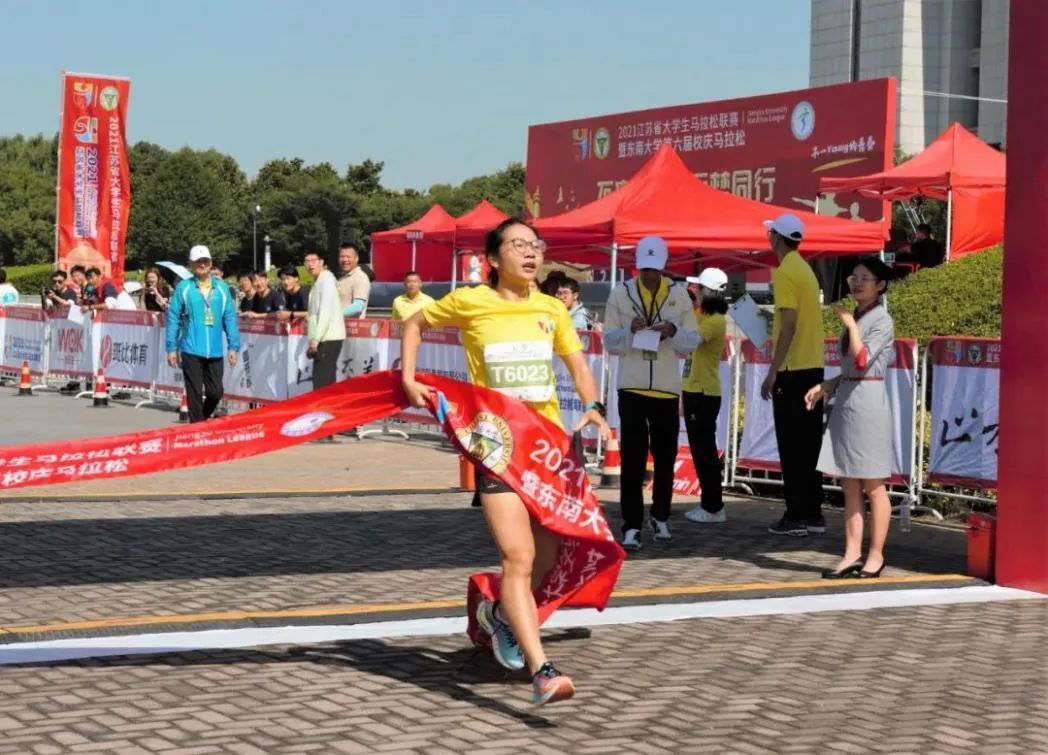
[{"x": 201, "y": 308}]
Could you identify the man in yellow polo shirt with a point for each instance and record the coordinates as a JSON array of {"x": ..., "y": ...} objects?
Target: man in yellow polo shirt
[
  {"x": 412, "y": 300},
  {"x": 796, "y": 365}
]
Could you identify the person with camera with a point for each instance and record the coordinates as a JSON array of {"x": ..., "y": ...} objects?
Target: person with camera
[
  {"x": 156, "y": 296},
  {"x": 59, "y": 295}
]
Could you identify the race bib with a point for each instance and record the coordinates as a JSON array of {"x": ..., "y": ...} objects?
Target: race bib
[{"x": 521, "y": 369}]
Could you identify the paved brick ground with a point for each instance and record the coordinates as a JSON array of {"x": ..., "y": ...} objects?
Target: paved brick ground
[
  {"x": 964, "y": 679},
  {"x": 66, "y": 562}
]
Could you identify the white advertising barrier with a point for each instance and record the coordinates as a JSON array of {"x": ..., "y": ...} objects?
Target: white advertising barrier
[
  {"x": 23, "y": 330},
  {"x": 685, "y": 478},
  {"x": 260, "y": 374},
  {"x": 168, "y": 379},
  {"x": 965, "y": 403},
  {"x": 365, "y": 350},
  {"x": 759, "y": 449},
  {"x": 124, "y": 346},
  {"x": 71, "y": 353}
]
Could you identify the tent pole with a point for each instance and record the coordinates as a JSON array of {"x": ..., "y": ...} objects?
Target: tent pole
[
  {"x": 614, "y": 261},
  {"x": 413, "y": 254},
  {"x": 949, "y": 222},
  {"x": 454, "y": 267}
]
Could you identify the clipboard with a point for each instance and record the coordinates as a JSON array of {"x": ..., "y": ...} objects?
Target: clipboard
[{"x": 747, "y": 315}]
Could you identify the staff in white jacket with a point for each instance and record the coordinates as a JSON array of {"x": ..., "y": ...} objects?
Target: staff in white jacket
[
  {"x": 648, "y": 323},
  {"x": 325, "y": 325}
]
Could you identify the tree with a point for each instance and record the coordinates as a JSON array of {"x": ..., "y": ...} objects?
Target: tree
[
  {"x": 186, "y": 198},
  {"x": 28, "y": 168}
]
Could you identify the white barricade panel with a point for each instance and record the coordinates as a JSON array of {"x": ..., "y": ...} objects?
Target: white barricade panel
[
  {"x": 759, "y": 449},
  {"x": 125, "y": 346},
  {"x": 168, "y": 379},
  {"x": 23, "y": 330},
  {"x": 366, "y": 348},
  {"x": 965, "y": 403},
  {"x": 260, "y": 373},
  {"x": 71, "y": 353},
  {"x": 571, "y": 406}
]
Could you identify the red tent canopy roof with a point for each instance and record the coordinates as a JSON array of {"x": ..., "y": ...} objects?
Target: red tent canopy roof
[
  {"x": 471, "y": 227},
  {"x": 665, "y": 199},
  {"x": 435, "y": 225},
  {"x": 957, "y": 159}
]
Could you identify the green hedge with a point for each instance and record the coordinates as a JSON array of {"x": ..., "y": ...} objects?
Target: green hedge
[{"x": 961, "y": 298}]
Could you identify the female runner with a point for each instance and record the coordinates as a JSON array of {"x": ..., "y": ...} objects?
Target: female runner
[{"x": 507, "y": 322}]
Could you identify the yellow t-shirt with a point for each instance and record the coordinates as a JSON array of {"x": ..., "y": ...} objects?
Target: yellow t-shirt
[
  {"x": 795, "y": 287},
  {"x": 702, "y": 367},
  {"x": 650, "y": 309},
  {"x": 510, "y": 344},
  {"x": 404, "y": 308}
]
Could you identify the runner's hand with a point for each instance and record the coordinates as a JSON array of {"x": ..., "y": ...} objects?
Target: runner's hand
[
  {"x": 419, "y": 395},
  {"x": 593, "y": 417}
]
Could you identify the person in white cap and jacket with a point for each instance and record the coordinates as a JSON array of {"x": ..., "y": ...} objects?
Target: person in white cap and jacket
[
  {"x": 649, "y": 322},
  {"x": 201, "y": 310},
  {"x": 797, "y": 364},
  {"x": 701, "y": 398}
]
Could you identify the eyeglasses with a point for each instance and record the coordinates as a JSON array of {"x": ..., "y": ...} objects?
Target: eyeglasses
[
  {"x": 521, "y": 246},
  {"x": 863, "y": 279}
]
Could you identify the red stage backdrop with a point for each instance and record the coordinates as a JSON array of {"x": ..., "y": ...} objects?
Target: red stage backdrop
[
  {"x": 94, "y": 187},
  {"x": 772, "y": 148}
]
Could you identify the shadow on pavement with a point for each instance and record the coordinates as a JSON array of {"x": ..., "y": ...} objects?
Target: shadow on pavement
[{"x": 107, "y": 551}]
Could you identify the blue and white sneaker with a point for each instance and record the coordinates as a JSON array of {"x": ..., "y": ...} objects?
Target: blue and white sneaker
[{"x": 503, "y": 643}]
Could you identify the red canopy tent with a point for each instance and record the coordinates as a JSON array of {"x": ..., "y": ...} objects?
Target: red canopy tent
[
  {"x": 470, "y": 230},
  {"x": 665, "y": 199},
  {"x": 957, "y": 167},
  {"x": 426, "y": 245}
]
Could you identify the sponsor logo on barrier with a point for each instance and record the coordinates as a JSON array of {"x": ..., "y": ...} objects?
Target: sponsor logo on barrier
[
  {"x": 306, "y": 424},
  {"x": 71, "y": 340},
  {"x": 802, "y": 120},
  {"x": 488, "y": 440}
]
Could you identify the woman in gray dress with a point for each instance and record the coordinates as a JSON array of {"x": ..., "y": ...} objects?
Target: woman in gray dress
[{"x": 857, "y": 446}]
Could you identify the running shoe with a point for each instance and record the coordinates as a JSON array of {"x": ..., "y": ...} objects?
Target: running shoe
[
  {"x": 660, "y": 530},
  {"x": 788, "y": 527},
  {"x": 503, "y": 643},
  {"x": 631, "y": 540},
  {"x": 549, "y": 685},
  {"x": 700, "y": 515}
]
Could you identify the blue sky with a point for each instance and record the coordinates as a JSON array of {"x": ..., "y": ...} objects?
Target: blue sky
[{"x": 440, "y": 91}]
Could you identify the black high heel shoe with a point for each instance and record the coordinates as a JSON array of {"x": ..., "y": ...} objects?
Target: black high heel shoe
[
  {"x": 871, "y": 574},
  {"x": 847, "y": 572}
]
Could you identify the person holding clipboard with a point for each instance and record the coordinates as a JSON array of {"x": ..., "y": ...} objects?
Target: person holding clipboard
[{"x": 649, "y": 322}]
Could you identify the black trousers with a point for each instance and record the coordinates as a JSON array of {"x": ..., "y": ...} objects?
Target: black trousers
[
  {"x": 325, "y": 363},
  {"x": 647, "y": 423},
  {"x": 203, "y": 381},
  {"x": 798, "y": 433},
  {"x": 700, "y": 419}
]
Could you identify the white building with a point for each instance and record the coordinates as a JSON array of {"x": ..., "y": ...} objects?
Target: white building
[{"x": 932, "y": 48}]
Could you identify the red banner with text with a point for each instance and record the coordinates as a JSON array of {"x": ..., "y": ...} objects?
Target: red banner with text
[
  {"x": 501, "y": 434},
  {"x": 94, "y": 187},
  {"x": 772, "y": 148}
]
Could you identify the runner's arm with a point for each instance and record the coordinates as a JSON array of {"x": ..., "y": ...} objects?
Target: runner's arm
[{"x": 410, "y": 341}]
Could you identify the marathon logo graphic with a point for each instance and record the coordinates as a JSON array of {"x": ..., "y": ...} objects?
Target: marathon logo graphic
[
  {"x": 83, "y": 94},
  {"x": 85, "y": 129},
  {"x": 306, "y": 424}
]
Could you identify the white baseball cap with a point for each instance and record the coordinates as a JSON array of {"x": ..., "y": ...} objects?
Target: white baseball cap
[
  {"x": 199, "y": 252},
  {"x": 652, "y": 253},
  {"x": 712, "y": 278},
  {"x": 787, "y": 225}
]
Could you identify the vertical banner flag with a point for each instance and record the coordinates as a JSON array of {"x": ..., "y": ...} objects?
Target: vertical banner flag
[{"x": 94, "y": 188}]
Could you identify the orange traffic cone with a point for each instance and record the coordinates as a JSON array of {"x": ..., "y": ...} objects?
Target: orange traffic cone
[
  {"x": 25, "y": 386},
  {"x": 183, "y": 409},
  {"x": 467, "y": 474},
  {"x": 101, "y": 393},
  {"x": 611, "y": 472}
]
